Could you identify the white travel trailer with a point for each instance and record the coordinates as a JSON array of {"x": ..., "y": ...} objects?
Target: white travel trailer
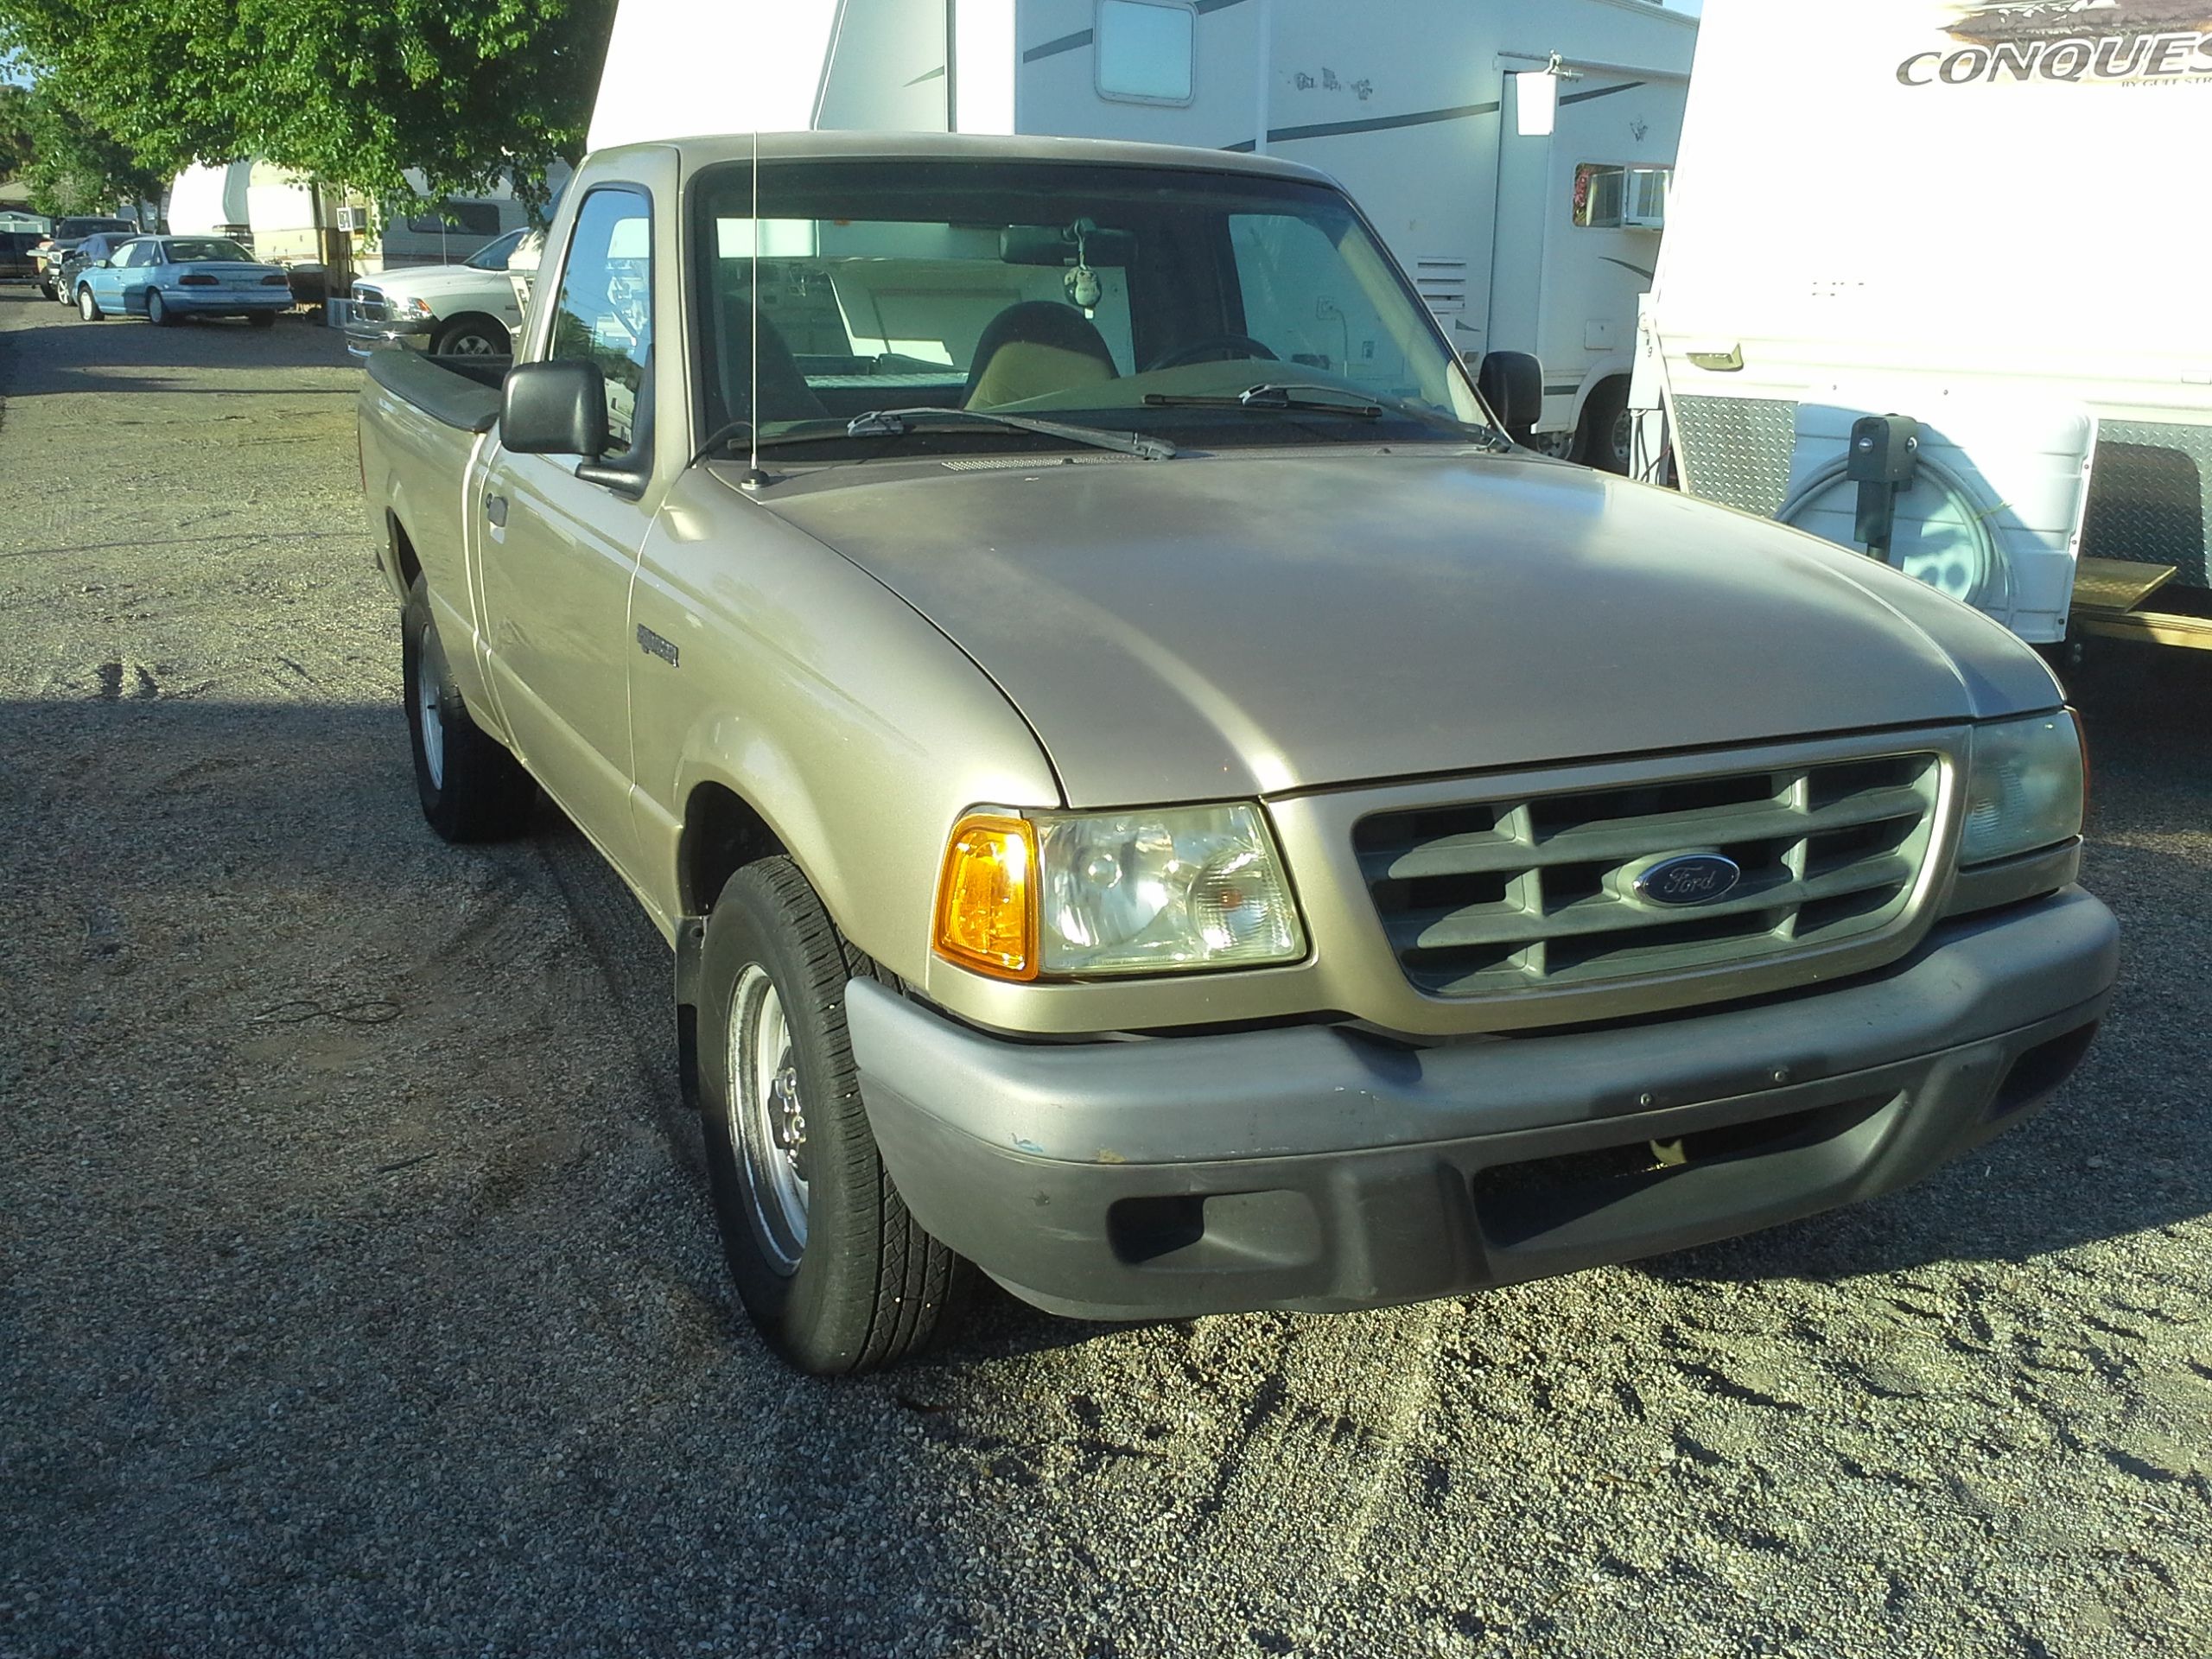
[
  {"x": 1975, "y": 219},
  {"x": 291, "y": 218},
  {"x": 1513, "y": 153}
]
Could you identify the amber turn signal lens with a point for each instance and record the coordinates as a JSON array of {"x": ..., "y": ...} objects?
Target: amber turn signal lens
[{"x": 987, "y": 898}]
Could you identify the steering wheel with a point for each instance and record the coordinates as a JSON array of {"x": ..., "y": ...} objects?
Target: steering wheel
[{"x": 1242, "y": 345}]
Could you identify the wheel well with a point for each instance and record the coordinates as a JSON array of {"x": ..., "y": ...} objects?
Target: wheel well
[
  {"x": 722, "y": 835},
  {"x": 403, "y": 551}
]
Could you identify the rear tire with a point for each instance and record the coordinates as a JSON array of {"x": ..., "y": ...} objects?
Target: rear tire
[
  {"x": 1607, "y": 433},
  {"x": 472, "y": 788},
  {"x": 834, "y": 1271},
  {"x": 157, "y": 309},
  {"x": 88, "y": 307}
]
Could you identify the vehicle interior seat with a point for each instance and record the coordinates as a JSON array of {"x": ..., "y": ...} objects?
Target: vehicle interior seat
[
  {"x": 1032, "y": 348},
  {"x": 784, "y": 395}
]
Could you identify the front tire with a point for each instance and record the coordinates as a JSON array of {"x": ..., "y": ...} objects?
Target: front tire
[
  {"x": 88, "y": 307},
  {"x": 157, "y": 309},
  {"x": 472, "y": 336},
  {"x": 834, "y": 1271},
  {"x": 472, "y": 788}
]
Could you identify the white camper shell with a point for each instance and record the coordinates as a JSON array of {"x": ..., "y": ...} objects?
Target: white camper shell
[
  {"x": 1981, "y": 216},
  {"x": 1514, "y": 154}
]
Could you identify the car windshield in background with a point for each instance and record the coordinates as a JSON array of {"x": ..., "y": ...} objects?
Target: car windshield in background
[
  {"x": 188, "y": 250},
  {"x": 493, "y": 256},
  {"x": 1124, "y": 299},
  {"x": 83, "y": 227}
]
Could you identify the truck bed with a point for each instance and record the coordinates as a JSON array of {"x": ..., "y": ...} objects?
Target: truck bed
[{"x": 459, "y": 392}]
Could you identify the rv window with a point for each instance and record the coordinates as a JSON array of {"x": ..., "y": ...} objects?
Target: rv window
[
  {"x": 1147, "y": 50},
  {"x": 1612, "y": 198},
  {"x": 459, "y": 218}
]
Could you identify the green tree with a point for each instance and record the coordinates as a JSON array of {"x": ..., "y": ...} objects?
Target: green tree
[
  {"x": 15, "y": 129},
  {"x": 74, "y": 166},
  {"x": 462, "y": 90}
]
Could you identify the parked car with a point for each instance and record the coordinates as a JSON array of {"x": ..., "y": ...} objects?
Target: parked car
[
  {"x": 18, "y": 251},
  {"x": 170, "y": 278},
  {"x": 66, "y": 235},
  {"x": 464, "y": 310},
  {"x": 89, "y": 250},
  {"x": 1152, "y": 794}
]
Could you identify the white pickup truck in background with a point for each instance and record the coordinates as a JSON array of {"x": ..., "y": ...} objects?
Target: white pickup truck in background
[{"x": 465, "y": 310}]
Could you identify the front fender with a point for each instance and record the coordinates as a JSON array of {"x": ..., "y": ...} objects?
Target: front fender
[{"x": 854, "y": 729}]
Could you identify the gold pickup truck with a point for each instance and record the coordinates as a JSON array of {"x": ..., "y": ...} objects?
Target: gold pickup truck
[{"x": 1152, "y": 794}]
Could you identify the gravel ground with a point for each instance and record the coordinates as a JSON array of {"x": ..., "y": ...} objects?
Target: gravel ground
[{"x": 357, "y": 1291}]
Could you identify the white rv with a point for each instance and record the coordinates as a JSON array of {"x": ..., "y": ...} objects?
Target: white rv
[
  {"x": 1514, "y": 154},
  {"x": 1965, "y": 232},
  {"x": 289, "y": 218}
]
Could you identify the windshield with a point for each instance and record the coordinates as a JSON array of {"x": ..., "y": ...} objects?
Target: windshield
[
  {"x": 1130, "y": 299},
  {"x": 493, "y": 256},
  {"x": 187, "y": 249},
  {"x": 92, "y": 227}
]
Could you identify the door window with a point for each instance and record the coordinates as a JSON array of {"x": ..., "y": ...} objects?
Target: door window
[{"x": 605, "y": 312}]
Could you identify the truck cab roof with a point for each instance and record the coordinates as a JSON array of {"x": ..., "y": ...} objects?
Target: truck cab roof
[{"x": 710, "y": 148}]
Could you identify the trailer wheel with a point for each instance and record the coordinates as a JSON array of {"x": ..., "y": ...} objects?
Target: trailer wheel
[{"x": 1607, "y": 436}]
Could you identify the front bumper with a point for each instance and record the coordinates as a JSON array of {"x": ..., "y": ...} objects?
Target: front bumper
[
  {"x": 363, "y": 337},
  {"x": 1324, "y": 1168}
]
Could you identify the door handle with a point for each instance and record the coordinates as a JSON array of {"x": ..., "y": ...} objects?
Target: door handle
[{"x": 495, "y": 509}]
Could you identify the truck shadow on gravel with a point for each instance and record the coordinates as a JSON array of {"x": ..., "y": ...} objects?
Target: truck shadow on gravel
[
  {"x": 129, "y": 354},
  {"x": 188, "y": 780}
]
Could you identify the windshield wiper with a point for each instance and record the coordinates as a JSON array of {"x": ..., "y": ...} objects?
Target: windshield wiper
[
  {"x": 1320, "y": 400},
  {"x": 896, "y": 423}
]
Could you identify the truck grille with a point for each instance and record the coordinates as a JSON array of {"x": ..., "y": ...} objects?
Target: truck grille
[
  {"x": 369, "y": 304},
  {"x": 1513, "y": 895}
]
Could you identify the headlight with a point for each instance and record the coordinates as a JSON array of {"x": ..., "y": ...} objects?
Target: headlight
[
  {"x": 1074, "y": 895},
  {"x": 2024, "y": 788}
]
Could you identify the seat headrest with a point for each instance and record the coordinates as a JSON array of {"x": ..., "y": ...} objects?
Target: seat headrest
[{"x": 1035, "y": 347}]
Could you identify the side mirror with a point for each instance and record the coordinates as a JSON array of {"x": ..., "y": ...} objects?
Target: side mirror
[
  {"x": 1512, "y": 384},
  {"x": 553, "y": 409}
]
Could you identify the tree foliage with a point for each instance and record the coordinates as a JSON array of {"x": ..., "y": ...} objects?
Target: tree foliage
[
  {"x": 460, "y": 89},
  {"x": 15, "y": 129},
  {"x": 71, "y": 164}
]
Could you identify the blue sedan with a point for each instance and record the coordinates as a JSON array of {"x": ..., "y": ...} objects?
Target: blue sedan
[{"x": 167, "y": 278}]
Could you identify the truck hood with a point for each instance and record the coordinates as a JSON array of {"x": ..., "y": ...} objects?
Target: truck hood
[
  {"x": 1248, "y": 624},
  {"x": 444, "y": 281}
]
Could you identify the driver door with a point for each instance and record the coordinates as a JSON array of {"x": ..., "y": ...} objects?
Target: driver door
[{"x": 559, "y": 552}]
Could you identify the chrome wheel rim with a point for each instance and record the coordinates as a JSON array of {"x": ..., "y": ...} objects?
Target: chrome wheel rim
[
  {"x": 470, "y": 345},
  {"x": 1623, "y": 438},
  {"x": 154, "y": 307},
  {"x": 429, "y": 696},
  {"x": 767, "y": 1116},
  {"x": 85, "y": 303}
]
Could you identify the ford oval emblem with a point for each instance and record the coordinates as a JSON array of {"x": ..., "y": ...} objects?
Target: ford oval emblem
[{"x": 1691, "y": 879}]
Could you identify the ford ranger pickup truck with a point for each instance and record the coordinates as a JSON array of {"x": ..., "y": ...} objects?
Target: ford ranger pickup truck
[{"x": 1152, "y": 795}]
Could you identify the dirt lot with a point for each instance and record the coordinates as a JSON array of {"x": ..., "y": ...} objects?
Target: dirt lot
[{"x": 357, "y": 1292}]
